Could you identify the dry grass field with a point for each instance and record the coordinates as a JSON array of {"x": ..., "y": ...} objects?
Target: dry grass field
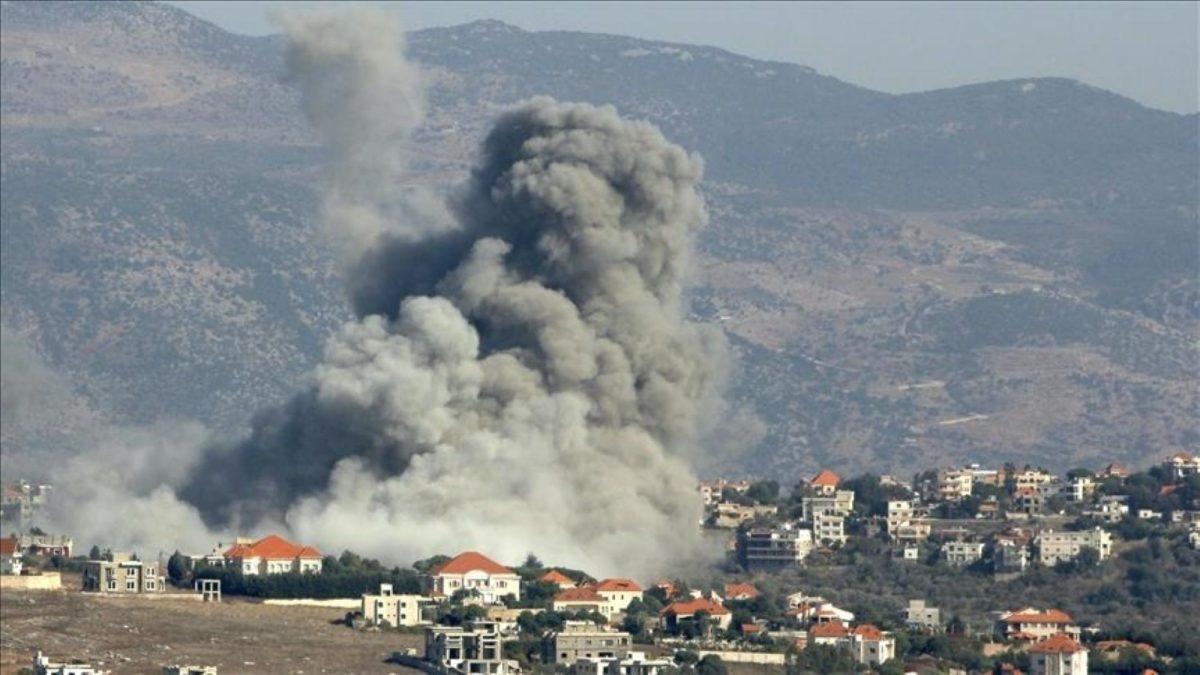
[{"x": 132, "y": 635}]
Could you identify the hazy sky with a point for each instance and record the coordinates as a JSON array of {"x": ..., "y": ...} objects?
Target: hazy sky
[{"x": 1145, "y": 50}]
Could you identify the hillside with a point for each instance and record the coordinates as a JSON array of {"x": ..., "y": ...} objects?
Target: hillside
[{"x": 998, "y": 271}]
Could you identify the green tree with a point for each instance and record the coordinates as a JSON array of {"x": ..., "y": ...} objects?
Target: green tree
[
  {"x": 710, "y": 665},
  {"x": 177, "y": 568},
  {"x": 94, "y": 553}
]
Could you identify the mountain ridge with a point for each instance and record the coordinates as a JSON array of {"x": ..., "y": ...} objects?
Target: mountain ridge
[{"x": 159, "y": 243}]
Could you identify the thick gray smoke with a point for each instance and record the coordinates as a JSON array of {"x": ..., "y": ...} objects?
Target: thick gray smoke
[{"x": 522, "y": 381}]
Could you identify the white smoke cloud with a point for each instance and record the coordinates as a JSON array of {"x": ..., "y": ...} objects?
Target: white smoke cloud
[
  {"x": 522, "y": 380},
  {"x": 113, "y": 485}
]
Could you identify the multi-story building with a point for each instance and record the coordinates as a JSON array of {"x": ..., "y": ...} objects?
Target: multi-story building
[
  {"x": 922, "y": 617},
  {"x": 632, "y": 663},
  {"x": 1034, "y": 625},
  {"x": 1055, "y": 547},
  {"x": 774, "y": 548},
  {"x": 476, "y": 649},
  {"x": 122, "y": 574},
  {"x": 1079, "y": 488},
  {"x": 271, "y": 555},
  {"x": 730, "y": 515},
  {"x": 476, "y": 574},
  {"x": 1033, "y": 478},
  {"x": 714, "y": 491},
  {"x": 584, "y": 640},
  {"x": 1009, "y": 556},
  {"x": 618, "y": 593},
  {"x": 899, "y": 512},
  {"x": 954, "y": 484},
  {"x": 871, "y": 646},
  {"x": 962, "y": 553},
  {"x": 1183, "y": 464},
  {"x": 839, "y": 503},
  {"x": 1110, "y": 509},
  {"x": 1059, "y": 654},
  {"x": 829, "y": 528},
  {"x": 46, "y": 545},
  {"x": 390, "y": 609},
  {"x": 21, "y": 501},
  {"x": 1029, "y": 500}
]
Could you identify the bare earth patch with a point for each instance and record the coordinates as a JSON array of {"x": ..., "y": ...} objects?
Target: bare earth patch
[{"x": 132, "y": 635}]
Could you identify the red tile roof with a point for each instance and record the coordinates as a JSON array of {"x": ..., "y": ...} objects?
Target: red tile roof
[
  {"x": 689, "y": 607},
  {"x": 868, "y": 632},
  {"x": 826, "y": 477},
  {"x": 740, "y": 591},
  {"x": 8, "y": 546},
  {"x": 832, "y": 629},
  {"x": 555, "y": 577},
  {"x": 627, "y": 585},
  {"x": 581, "y": 594},
  {"x": 1183, "y": 456},
  {"x": 272, "y": 547},
  {"x": 1059, "y": 643},
  {"x": 1048, "y": 616},
  {"x": 470, "y": 561}
]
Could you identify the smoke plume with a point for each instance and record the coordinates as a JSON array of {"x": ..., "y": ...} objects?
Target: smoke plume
[{"x": 523, "y": 379}]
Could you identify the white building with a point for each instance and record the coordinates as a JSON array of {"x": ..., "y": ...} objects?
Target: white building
[
  {"x": 272, "y": 555},
  {"x": 476, "y": 574},
  {"x": 477, "y": 649},
  {"x": 962, "y": 553},
  {"x": 872, "y": 646},
  {"x": 619, "y": 592},
  {"x": 829, "y": 528},
  {"x": 1059, "y": 654},
  {"x": 42, "y": 665},
  {"x": 389, "y": 609},
  {"x": 899, "y": 512},
  {"x": 1183, "y": 464},
  {"x": 1055, "y": 547},
  {"x": 633, "y": 663}
]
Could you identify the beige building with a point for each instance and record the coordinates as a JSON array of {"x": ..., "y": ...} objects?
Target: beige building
[
  {"x": 1033, "y": 478},
  {"x": 389, "y": 609},
  {"x": 584, "y": 640},
  {"x": 829, "y": 528},
  {"x": 840, "y": 503},
  {"x": 122, "y": 574},
  {"x": 1059, "y": 654},
  {"x": 1055, "y": 547},
  {"x": 475, "y": 574},
  {"x": 899, "y": 512},
  {"x": 954, "y": 484},
  {"x": 1033, "y": 625}
]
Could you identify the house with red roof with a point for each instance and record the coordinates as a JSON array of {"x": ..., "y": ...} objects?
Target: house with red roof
[
  {"x": 477, "y": 575},
  {"x": 1034, "y": 625},
  {"x": 619, "y": 592},
  {"x": 10, "y": 556},
  {"x": 825, "y": 483},
  {"x": 1183, "y": 464},
  {"x": 557, "y": 578},
  {"x": 741, "y": 591},
  {"x": 1059, "y": 654},
  {"x": 872, "y": 646},
  {"x": 683, "y": 611},
  {"x": 272, "y": 555},
  {"x": 582, "y": 599}
]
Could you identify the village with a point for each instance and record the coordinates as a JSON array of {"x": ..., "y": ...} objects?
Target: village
[{"x": 754, "y": 612}]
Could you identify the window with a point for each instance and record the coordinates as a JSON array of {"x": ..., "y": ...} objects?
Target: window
[{"x": 131, "y": 584}]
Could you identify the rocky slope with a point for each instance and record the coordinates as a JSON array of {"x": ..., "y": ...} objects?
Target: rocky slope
[{"x": 1000, "y": 271}]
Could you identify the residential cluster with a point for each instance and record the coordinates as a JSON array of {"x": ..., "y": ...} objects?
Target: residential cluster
[{"x": 478, "y": 616}]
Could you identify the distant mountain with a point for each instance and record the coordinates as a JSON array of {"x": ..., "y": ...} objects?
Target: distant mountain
[{"x": 1005, "y": 270}]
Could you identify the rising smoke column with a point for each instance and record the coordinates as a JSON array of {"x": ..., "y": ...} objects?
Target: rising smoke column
[{"x": 524, "y": 380}]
